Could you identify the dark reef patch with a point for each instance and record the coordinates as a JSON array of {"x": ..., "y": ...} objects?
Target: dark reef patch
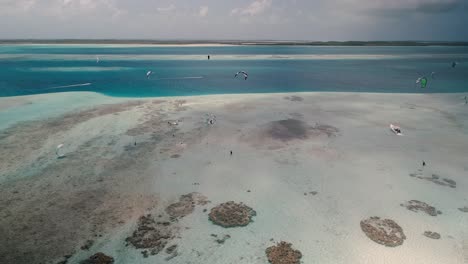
[
  {"x": 283, "y": 253},
  {"x": 294, "y": 129},
  {"x": 383, "y": 231},
  {"x": 186, "y": 205},
  {"x": 416, "y": 206},
  {"x": 151, "y": 235},
  {"x": 432, "y": 235},
  {"x": 231, "y": 214},
  {"x": 434, "y": 179},
  {"x": 288, "y": 129},
  {"x": 281, "y": 133},
  {"x": 98, "y": 258}
]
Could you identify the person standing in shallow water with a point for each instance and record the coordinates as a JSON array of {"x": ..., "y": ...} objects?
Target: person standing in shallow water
[
  {"x": 231, "y": 152},
  {"x": 208, "y": 57}
]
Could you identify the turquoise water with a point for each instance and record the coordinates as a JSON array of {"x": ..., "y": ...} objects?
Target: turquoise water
[{"x": 121, "y": 71}]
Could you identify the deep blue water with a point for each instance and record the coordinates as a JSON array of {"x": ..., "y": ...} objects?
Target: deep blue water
[{"x": 121, "y": 71}]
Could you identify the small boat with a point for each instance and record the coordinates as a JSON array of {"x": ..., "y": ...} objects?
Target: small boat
[{"x": 396, "y": 130}]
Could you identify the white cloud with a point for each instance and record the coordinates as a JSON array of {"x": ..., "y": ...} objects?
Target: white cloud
[
  {"x": 293, "y": 19},
  {"x": 430, "y": 6},
  {"x": 166, "y": 8},
  {"x": 71, "y": 8},
  {"x": 255, "y": 8},
  {"x": 60, "y": 8},
  {"x": 27, "y": 4},
  {"x": 83, "y": 4},
  {"x": 235, "y": 11},
  {"x": 203, "y": 11},
  {"x": 16, "y": 6}
]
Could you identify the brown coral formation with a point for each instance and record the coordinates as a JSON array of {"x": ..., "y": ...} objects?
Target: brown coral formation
[
  {"x": 231, "y": 214},
  {"x": 151, "y": 235},
  {"x": 435, "y": 179},
  {"x": 171, "y": 249},
  {"x": 433, "y": 235},
  {"x": 186, "y": 205},
  {"x": 99, "y": 258},
  {"x": 283, "y": 253},
  {"x": 383, "y": 231},
  {"x": 416, "y": 206},
  {"x": 172, "y": 252}
]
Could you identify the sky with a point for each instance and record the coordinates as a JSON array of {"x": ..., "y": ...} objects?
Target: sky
[{"x": 313, "y": 20}]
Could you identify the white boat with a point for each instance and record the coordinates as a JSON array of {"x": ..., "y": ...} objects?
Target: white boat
[{"x": 396, "y": 130}]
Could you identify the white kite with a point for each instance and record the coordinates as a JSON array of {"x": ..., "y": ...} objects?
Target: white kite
[
  {"x": 58, "y": 152},
  {"x": 148, "y": 74}
]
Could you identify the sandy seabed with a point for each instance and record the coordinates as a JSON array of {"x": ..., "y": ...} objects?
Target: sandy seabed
[{"x": 139, "y": 178}]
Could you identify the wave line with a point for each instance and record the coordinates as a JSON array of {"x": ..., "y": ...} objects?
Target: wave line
[
  {"x": 180, "y": 78},
  {"x": 68, "y": 86}
]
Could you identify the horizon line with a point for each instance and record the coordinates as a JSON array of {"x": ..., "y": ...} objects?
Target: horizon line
[{"x": 232, "y": 42}]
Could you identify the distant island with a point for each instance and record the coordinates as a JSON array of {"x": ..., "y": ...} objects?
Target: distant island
[{"x": 233, "y": 42}]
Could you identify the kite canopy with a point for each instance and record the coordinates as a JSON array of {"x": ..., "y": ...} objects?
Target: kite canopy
[
  {"x": 422, "y": 81},
  {"x": 148, "y": 74},
  {"x": 58, "y": 152},
  {"x": 246, "y": 75}
]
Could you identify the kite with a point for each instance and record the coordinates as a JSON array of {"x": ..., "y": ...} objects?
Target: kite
[
  {"x": 148, "y": 74},
  {"x": 422, "y": 81},
  {"x": 58, "y": 153},
  {"x": 244, "y": 73}
]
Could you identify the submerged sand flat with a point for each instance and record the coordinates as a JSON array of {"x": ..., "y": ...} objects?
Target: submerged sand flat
[{"x": 311, "y": 165}]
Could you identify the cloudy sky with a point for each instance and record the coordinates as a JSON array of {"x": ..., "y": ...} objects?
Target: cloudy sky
[{"x": 240, "y": 19}]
